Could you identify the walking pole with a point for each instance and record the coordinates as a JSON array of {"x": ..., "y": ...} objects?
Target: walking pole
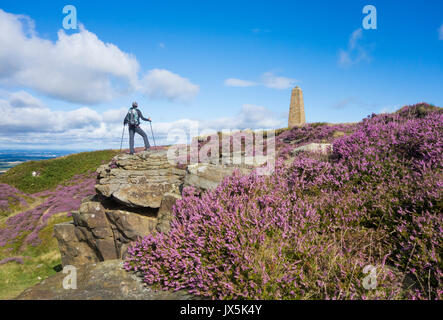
[
  {"x": 153, "y": 138},
  {"x": 121, "y": 143}
]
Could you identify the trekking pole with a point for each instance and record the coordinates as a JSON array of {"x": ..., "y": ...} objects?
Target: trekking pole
[
  {"x": 152, "y": 132},
  {"x": 121, "y": 143}
]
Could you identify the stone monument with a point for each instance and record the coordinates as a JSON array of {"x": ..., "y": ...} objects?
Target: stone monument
[{"x": 296, "y": 108}]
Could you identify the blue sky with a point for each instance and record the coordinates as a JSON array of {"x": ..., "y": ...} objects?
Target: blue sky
[{"x": 176, "y": 58}]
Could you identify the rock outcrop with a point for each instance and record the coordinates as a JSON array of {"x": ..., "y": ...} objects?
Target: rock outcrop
[
  {"x": 100, "y": 281},
  {"x": 164, "y": 215},
  {"x": 135, "y": 197},
  {"x": 102, "y": 230},
  {"x": 206, "y": 176},
  {"x": 139, "y": 180}
]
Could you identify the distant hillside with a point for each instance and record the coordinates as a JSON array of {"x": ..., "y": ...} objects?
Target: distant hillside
[
  {"x": 11, "y": 158},
  {"x": 52, "y": 172}
]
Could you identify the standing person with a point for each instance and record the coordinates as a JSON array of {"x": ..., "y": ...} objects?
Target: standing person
[{"x": 133, "y": 120}]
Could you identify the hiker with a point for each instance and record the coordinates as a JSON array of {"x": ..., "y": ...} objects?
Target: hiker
[{"x": 133, "y": 120}]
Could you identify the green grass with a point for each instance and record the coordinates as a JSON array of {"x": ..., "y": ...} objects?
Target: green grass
[
  {"x": 40, "y": 262},
  {"x": 54, "y": 171}
]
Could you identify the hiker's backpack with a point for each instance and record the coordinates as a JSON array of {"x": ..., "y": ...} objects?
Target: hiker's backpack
[{"x": 133, "y": 117}]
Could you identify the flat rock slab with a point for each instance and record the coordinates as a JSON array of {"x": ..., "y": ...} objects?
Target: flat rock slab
[
  {"x": 139, "y": 180},
  {"x": 207, "y": 176},
  {"x": 105, "y": 280}
]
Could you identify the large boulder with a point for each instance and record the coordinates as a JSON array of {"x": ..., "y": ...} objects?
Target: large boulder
[
  {"x": 165, "y": 213},
  {"x": 100, "y": 281},
  {"x": 102, "y": 230},
  {"x": 206, "y": 176},
  {"x": 139, "y": 180},
  {"x": 73, "y": 251},
  {"x": 135, "y": 197}
]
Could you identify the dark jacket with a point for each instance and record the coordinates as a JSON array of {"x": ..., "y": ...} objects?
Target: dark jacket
[{"x": 140, "y": 116}]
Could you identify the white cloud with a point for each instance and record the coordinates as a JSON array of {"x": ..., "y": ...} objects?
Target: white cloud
[
  {"x": 38, "y": 125},
  {"x": 255, "y": 117},
  {"x": 249, "y": 117},
  {"x": 163, "y": 84},
  {"x": 355, "y": 52},
  {"x": 440, "y": 32},
  {"x": 232, "y": 82},
  {"x": 274, "y": 82},
  {"x": 34, "y": 117},
  {"x": 390, "y": 108},
  {"x": 355, "y": 36},
  {"x": 22, "y": 99},
  {"x": 77, "y": 68},
  {"x": 268, "y": 79},
  {"x": 114, "y": 115}
]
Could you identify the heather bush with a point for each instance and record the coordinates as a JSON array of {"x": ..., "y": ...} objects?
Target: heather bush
[
  {"x": 252, "y": 239},
  {"x": 308, "y": 230},
  {"x": 11, "y": 259},
  {"x": 396, "y": 163},
  {"x": 10, "y": 198},
  {"x": 26, "y": 225},
  {"x": 311, "y": 132},
  {"x": 31, "y": 206},
  {"x": 30, "y": 233}
]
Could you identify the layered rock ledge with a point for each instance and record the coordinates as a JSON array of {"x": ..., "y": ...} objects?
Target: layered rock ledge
[
  {"x": 135, "y": 197},
  {"x": 139, "y": 180}
]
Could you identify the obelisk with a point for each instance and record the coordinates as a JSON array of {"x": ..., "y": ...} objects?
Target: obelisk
[{"x": 296, "y": 108}]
